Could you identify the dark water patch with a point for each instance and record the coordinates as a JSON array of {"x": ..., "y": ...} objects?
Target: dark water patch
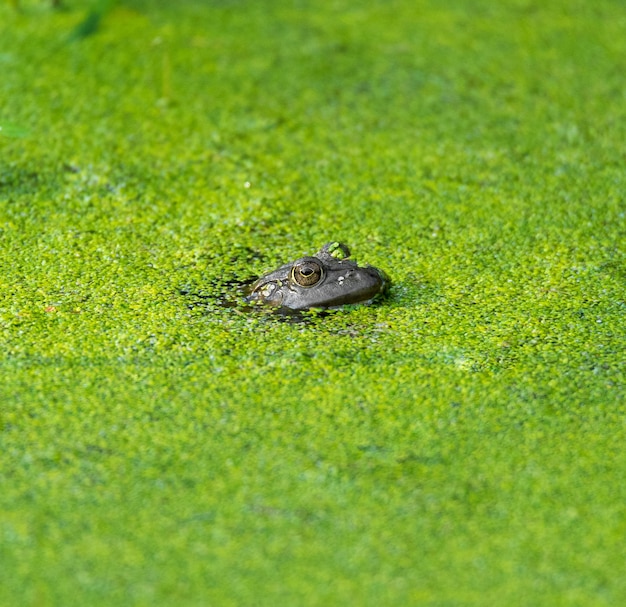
[
  {"x": 222, "y": 293},
  {"x": 232, "y": 294}
]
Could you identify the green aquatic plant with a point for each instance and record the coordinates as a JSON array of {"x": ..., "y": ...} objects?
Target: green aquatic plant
[
  {"x": 10, "y": 129},
  {"x": 459, "y": 443}
]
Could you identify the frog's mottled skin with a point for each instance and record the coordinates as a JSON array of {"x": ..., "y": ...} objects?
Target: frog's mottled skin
[{"x": 326, "y": 280}]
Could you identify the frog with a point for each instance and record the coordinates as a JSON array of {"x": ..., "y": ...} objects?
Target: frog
[{"x": 328, "y": 279}]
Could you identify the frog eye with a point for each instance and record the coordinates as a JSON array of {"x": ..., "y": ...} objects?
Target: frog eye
[{"x": 307, "y": 273}]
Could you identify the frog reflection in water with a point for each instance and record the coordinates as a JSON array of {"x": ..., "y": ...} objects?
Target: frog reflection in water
[{"x": 326, "y": 280}]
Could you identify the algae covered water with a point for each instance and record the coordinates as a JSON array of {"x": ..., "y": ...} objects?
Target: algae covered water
[{"x": 459, "y": 443}]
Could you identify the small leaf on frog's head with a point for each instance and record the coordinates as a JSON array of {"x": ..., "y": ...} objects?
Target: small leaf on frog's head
[{"x": 337, "y": 250}]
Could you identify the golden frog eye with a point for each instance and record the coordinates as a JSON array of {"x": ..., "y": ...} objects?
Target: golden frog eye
[{"x": 307, "y": 273}]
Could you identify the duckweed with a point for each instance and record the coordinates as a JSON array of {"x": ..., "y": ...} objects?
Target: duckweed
[{"x": 462, "y": 443}]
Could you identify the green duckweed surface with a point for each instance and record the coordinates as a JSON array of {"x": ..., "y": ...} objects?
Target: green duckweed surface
[{"x": 460, "y": 444}]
